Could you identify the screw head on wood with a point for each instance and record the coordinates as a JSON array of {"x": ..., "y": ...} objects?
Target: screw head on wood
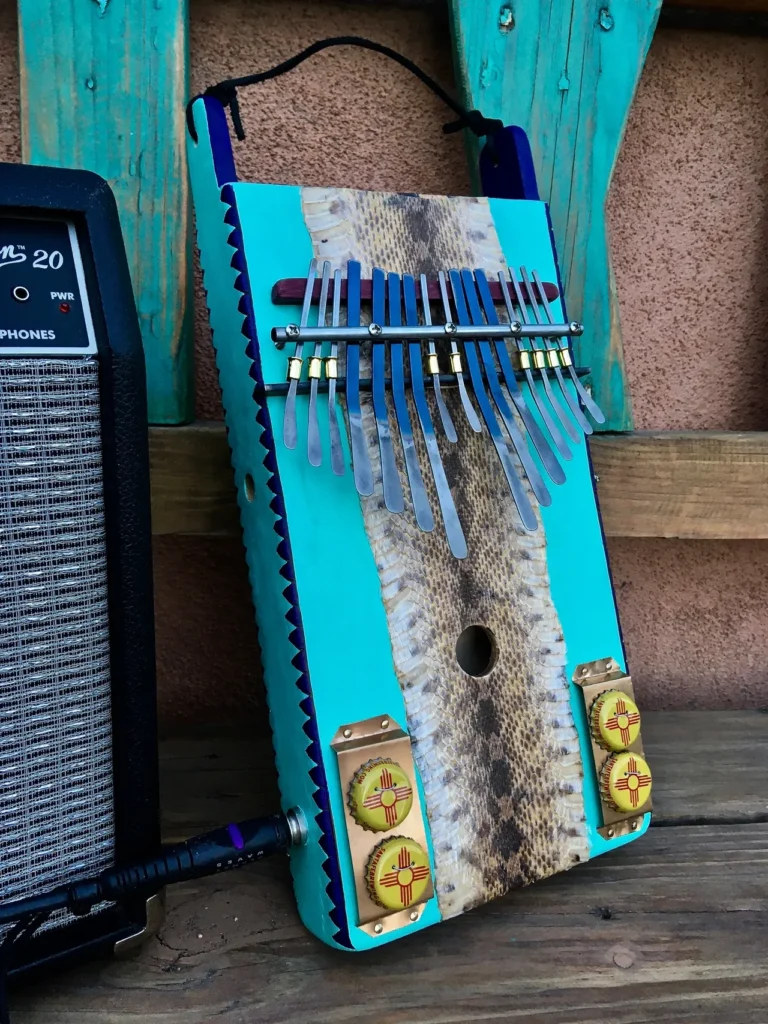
[
  {"x": 506, "y": 18},
  {"x": 605, "y": 19}
]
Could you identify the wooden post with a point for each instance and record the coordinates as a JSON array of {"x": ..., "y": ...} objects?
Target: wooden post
[
  {"x": 103, "y": 87},
  {"x": 566, "y": 72}
]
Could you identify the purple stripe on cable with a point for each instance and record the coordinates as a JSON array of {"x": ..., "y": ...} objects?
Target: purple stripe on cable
[{"x": 236, "y": 836}]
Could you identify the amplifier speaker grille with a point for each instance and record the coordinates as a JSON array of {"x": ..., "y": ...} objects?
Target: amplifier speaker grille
[{"x": 56, "y": 772}]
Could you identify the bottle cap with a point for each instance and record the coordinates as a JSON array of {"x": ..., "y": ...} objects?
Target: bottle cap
[
  {"x": 397, "y": 873},
  {"x": 381, "y": 795}
]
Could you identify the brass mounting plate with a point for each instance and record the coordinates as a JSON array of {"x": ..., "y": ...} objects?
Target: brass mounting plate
[
  {"x": 594, "y": 678},
  {"x": 355, "y": 744}
]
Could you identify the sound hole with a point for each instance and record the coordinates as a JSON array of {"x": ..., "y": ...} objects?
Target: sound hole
[
  {"x": 249, "y": 487},
  {"x": 476, "y": 650}
]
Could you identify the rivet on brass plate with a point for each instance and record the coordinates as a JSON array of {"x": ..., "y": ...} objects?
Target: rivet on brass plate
[
  {"x": 621, "y": 828},
  {"x": 414, "y": 915},
  {"x": 385, "y": 723},
  {"x": 347, "y": 733},
  {"x": 378, "y": 927}
]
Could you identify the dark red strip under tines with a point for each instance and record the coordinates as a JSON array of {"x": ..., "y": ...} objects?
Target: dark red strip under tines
[{"x": 289, "y": 291}]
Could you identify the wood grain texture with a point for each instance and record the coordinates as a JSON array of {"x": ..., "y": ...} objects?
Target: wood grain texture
[
  {"x": 566, "y": 72},
  {"x": 103, "y": 87},
  {"x": 708, "y": 766},
  {"x": 193, "y": 489},
  {"x": 669, "y": 929},
  {"x": 699, "y": 485}
]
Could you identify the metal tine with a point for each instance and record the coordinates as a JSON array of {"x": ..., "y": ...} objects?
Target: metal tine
[
  {"x": 390, "y": 478},
  {"x": 331, "y": 372},
  {"x": 525, "y": 362},
  {"x": 295, "y": 361},
  {"x": 570, "y": 430},
  {"x": 434, "y": 368},
  {"x": 361, "y": 463},
  {"x": 421, "y": 507},
  {"x": 453, "y": 531},
  {"x": 524, "y": 507},
  {"x": 547, "y": 456},
  {"x": 565, "y": 355},
  {"x": 486, "y": 354},
  {"x": 456, "y": 367},
  {"x": 554, "y": 361},
  {"x": 314, "y": 448}
]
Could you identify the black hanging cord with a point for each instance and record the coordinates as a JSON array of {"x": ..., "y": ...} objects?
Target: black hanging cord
[{"x": 226, "y": 92}]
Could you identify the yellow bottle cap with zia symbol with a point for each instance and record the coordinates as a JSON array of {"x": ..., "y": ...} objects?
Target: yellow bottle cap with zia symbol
[
  {"x": 625, "y": 780},
  {"x": 397, "y": 873},
  {"x": 615, "y": 720},
  {"x": 380, "y": 796}
]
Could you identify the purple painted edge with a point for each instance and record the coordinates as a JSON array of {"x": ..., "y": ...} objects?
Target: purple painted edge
[{"x": 324, "y": 819}]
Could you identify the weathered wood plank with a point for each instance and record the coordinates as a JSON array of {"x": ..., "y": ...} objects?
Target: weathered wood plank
[
  {"x": 103, "y": 86},
  {"x": 193, "y": 488},
  {"x": 708, "y": 767},
  {"x": 700, "y": 485},
  {"x": 672, "y": 928},
  {"x": 566, "y": 72}
]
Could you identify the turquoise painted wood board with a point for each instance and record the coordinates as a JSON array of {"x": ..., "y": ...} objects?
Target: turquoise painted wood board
[
  {"x": 566, "y": 71},
  {"x": 359, "y": 613},
  {"x": 103, "y": 86}
]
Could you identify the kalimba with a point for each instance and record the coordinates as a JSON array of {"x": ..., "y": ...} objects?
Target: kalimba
[{"x": 451, "y": 710}]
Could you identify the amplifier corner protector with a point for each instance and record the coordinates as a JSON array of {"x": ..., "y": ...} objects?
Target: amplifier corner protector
[{"x": 155, "y": 915}]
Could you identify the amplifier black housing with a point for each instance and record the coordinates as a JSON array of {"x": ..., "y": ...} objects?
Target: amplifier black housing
[{"x": 85, "y": 200}]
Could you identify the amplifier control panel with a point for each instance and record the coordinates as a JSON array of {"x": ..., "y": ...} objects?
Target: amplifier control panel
[{"x": 43, "y": 298}]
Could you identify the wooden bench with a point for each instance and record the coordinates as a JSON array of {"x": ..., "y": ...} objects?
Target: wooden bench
[{"x": 672, "y": 928}]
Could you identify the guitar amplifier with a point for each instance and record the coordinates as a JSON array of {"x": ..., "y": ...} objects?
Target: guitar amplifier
[{"x": 78, "y": 758}]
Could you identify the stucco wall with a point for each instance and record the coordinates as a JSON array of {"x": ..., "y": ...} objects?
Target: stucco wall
[{"x": 687, "y": 216}]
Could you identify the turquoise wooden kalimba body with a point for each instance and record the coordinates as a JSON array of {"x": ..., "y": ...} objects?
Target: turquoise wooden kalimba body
[{"x": 448, "y": 691}]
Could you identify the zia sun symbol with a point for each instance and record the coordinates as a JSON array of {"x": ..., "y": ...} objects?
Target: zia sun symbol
[
  {"x": 404, "y": 874},
  {"x": 388, "y": 796},
  {"x": 622, "y": 720},
  {"x": 634, "y": 782}
]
